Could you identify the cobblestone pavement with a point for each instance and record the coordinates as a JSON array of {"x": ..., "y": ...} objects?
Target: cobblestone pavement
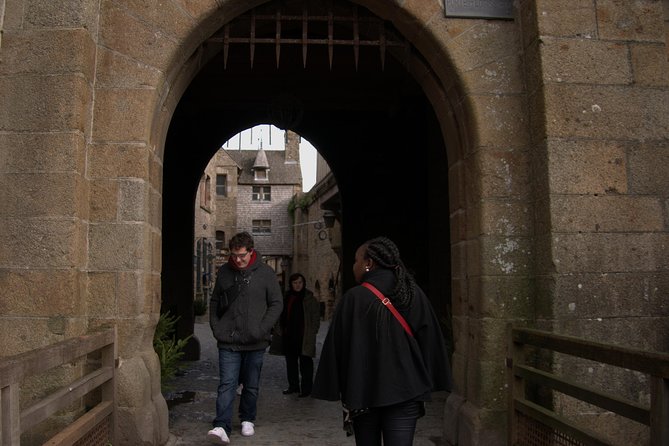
[{"x": 282, "y": 419}]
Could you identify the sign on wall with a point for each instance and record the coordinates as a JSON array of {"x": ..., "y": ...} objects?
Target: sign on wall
[{"x": 485, "y": 9}]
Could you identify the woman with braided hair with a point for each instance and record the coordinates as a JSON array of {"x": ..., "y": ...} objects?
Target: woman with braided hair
[{"x": 384, "y": 352}]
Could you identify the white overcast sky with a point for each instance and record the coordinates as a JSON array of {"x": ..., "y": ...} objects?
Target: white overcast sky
[{"x": 273, "y": 138}]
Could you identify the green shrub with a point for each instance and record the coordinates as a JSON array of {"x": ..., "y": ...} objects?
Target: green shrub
[{"x": 167, "y": 347}]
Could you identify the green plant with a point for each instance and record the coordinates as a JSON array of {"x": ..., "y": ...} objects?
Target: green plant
[
  {"x": 200, "y": 306},
  {"x": 298, "y": 201},
  {"x": 168, "y": 348}
]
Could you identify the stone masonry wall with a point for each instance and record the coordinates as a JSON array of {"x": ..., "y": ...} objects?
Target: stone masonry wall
[
  {"x": 556, "y": 128},
  {"x": 598, "y": 82}
]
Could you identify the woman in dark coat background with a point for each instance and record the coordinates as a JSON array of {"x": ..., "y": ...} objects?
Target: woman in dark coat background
[
  {"x": 298, "y": 326},
  {"x": 382, "y": 372}
]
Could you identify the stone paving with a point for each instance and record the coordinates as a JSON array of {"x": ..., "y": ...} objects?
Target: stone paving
[{"x": 282, "y": 419}]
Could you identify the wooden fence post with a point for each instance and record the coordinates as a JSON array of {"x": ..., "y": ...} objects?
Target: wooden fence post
[
  {"x": 516, "y": 385},
  {"x": 10, "y": 416},
  {"x": 659, "y": 411}
]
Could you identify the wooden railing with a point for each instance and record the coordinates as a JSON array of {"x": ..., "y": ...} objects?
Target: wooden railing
[
  {"x": 96, "y": 426},
  {"x": 556, "y": 429}
]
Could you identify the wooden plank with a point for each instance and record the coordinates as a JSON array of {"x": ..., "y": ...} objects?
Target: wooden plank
[
  {"x": 659, "y": 408},
  {"x": 15, "y": 369},
  {"x": 516, "y": 386},
  {"x": 653, "y": 363},
  {"x": 81, "y": 425},
  {"x": 10, "y": 427},
  {"x": 606, "y": 401},
  {"x": 109, "y": 356},
  {"x": 559, "y": 423},
  {"x": 63, "y": 397}
]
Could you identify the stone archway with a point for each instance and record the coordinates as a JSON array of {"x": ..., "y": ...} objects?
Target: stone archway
[
  {"x": 93, "y": 102},
  {"x": 474, "y": 87}
]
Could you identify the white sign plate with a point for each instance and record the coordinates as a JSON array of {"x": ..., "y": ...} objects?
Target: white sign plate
[{"x": 486, "y": 9}]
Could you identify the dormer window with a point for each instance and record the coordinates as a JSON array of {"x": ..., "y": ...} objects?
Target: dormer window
[{"x": 260, "y": 174}]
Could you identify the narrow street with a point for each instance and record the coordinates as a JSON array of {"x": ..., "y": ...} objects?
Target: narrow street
[{"x": 282, "y": 419}]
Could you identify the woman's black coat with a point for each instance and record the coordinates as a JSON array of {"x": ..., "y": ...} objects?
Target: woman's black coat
[{"x": 368, "y": 360}]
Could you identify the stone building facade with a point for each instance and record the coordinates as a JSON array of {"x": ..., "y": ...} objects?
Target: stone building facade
[
  {"x": 317, "y": 242},
  {"x": 539, "y": 161}
]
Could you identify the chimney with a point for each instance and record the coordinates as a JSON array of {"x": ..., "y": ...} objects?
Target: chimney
[{"x": 292, "y": 153}]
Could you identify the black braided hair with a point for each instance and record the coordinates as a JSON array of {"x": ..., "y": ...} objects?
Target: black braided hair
[{"x": 385, "y": 253}]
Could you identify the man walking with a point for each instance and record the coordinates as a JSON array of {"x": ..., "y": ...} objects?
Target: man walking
[{"x": 245, "y": 304}]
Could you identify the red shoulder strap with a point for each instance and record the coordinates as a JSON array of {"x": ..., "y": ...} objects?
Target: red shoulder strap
[{"x": 385, "y": 301}]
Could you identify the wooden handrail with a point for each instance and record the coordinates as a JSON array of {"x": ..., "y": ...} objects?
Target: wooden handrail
[
  {"x": 655, "y": 364},
  {"x": 15, "y": 369}
]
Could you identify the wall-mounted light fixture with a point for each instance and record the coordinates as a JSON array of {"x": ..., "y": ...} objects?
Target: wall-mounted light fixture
[{"x": 329, "y": 218}]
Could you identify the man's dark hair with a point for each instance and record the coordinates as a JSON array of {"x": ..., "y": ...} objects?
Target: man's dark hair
[{"x": 241, "y": 240}]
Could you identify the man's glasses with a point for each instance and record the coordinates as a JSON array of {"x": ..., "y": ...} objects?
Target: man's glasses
[{"x": 241, "y": 255}]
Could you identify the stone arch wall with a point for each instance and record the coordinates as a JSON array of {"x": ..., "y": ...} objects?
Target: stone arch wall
[
  {"x": 88, "y": 111},
  {"x": 89, "y": 87}
]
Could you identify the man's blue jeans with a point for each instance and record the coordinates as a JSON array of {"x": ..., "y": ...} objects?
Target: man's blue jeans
[{"x": 237, "y": 367}]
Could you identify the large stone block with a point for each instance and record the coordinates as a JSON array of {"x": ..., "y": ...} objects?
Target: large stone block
[
  {"x": 141, "y": 41},
  {"x": 647, "y": 162},
  {"x": 649, "y": 62},
  {"x": 135, "y": 334},
  {"x": 611, "y": 295},
  {"x": 606, "y": 112},
  {"x": 119, "y": 160},
  {"x": 61, "y": 14},
  {"x": 123, "y": 115},
  {"x": 502, "y": 297},
  {"x": 44, "y": 195},
  {"x": 506, "y": 217},
  {"x": 39, "y": 152},
  {"x": 168, "y": 17},
  {"x": 48, "y": 52},
  {"x": 487, "y": 382},
  {"x": 102, "y": 295},
  {"x": 608, "y": 213},
  {"x": 118, "y": 246},
  {"x": 585, "y": 61},
  {"x": 505, "y": 256},
  {"x": 497, "y": 77},
  {"x": 133, "y": 201},
  {"x": 116, "y": 70},
  {"x": 30, "y": 102},
  {"x": 606, "y": 252},
  {"x": 41, "y": 243},
  {"x": 566, "y": 18},
  {"x": 104, "y": 200},
  {"x": 640, "y": 20},
  {"x": 587, "y": 167},
  {"x": 501, "y": 120},
  {"x": 133, "y": 381},
  {"x": 644, "y": 333},
  {"x": 474, "y": 43},
  {"x": 133, "y": 294},
  {"x": 31, "y": 333},
  {"x": 40, "y": 293},
  {"x": 501, "y": 172},
  {"x": 481, "y": 426}
]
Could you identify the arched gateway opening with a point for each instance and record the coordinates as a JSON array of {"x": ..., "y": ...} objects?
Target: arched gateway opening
[{"x": 340, "y": 76}]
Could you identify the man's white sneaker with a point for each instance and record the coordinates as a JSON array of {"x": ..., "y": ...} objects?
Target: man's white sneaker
[
  {"x": 218, "y": 436},
  {"x": 248, "y": 428}
]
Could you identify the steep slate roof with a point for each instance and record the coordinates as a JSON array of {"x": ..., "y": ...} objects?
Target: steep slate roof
[{"x": 279, "y": 171}]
